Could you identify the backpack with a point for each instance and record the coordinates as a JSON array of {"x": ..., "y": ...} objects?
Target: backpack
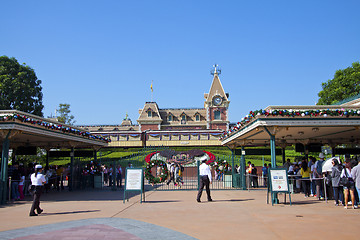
[{"x": 319, "y": 167}]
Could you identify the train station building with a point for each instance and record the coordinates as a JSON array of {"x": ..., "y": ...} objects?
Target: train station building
[{"x": 173, "y": 126}]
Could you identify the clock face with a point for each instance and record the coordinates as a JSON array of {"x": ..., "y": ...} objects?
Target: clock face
[{"x": 217, "y": 100}]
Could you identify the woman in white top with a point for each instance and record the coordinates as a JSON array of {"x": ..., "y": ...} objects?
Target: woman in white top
[{"x": 37, "y": 180}]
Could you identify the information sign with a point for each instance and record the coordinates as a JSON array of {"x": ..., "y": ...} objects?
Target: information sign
[
  {"x": 133, "y": 179},
  {"x": 279, "y": 183},
  {"x": 279, "y": 180}
]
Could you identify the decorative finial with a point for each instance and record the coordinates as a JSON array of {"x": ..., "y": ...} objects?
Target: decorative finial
[{"x": 216, "y": 71}]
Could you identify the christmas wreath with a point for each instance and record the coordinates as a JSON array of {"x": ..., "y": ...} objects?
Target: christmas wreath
[{"x": 163, "y": 172}]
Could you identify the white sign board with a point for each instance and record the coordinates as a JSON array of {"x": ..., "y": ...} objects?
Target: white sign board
[
  {"x": 279, "y": 180},
  {"x": 133, "y": 179}
]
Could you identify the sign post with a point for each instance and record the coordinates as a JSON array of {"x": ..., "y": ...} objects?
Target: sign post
[
  {"x": 134, "y": 181},
  {"x": 279, "y": 183}
]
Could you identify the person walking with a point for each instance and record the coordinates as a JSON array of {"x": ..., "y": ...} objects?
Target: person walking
[
  {"x": 172, "y": 174},
  {"x": 205, "y": 180},
  {"x": 37, "y": 180}
]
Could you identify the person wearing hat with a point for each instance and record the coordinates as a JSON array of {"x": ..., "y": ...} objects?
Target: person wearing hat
[
  {"x": 205, "y": 180},
  {"x": 37, "y": 180}
]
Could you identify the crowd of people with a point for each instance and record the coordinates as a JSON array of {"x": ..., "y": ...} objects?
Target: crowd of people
[
  {"x": 176, "y": 171},
  {"x": 307, "y": 176},
  {"x": 342, "y": 182},
  {"x": 20, "y": 178}
]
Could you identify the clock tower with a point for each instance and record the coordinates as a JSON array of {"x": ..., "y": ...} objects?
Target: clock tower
[{"x": 217, "y": 104}]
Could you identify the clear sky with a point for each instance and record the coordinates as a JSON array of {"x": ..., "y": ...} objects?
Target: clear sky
[{"x": 101, "y": 56}]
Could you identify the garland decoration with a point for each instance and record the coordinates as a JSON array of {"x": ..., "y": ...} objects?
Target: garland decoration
[
  {"x": 48, "y": 125},
  {"x": 291, "y": 113},
  {"x": 181, "y": 157},
  {"x": 164, "y": 173}
]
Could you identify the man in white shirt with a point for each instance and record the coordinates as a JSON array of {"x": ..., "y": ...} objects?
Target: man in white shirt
[{"x": 205, "y": 180}]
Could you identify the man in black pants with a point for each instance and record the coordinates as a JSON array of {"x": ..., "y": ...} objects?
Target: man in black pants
[{"x": 205, "y": 180}]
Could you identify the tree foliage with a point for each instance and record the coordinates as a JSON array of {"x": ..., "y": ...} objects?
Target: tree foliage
[
  {"x": 64, "y": 111},
  {"x": 345, "y": 84},
  {"x": 19, "y": 87}
]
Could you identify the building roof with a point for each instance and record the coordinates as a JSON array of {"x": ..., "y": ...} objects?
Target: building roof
[{"x": 330, "y": 124}]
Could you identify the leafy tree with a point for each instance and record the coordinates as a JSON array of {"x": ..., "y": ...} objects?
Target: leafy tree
[
  {"x": 345, "y": 84},
  {"x": 19, "y": 87},
  {"x": 64, "y": 111}
]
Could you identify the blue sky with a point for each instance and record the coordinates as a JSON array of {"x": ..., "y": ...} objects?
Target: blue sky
[{"x": 101, "y": 56}]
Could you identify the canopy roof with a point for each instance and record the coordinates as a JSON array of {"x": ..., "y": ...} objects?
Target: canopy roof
[
  {"x": 332, "y": 125},
  {"x": 24, "y": 129}
]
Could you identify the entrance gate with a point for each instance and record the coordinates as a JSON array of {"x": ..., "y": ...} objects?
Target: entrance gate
[{"x": 223, "y": 179}]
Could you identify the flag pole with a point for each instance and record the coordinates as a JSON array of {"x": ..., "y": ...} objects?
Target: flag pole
[{"x": 151, "y": 87}]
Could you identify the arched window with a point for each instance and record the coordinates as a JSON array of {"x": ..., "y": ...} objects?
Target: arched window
[
  {"x": 149, "y": 113},
  {"x": 170, "y": 118},
  {"x": 217, "y": 115},
  {"x": 197, "y": 117}
]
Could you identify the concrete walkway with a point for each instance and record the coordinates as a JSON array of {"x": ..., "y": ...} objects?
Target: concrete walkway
[{"x": 176, "y": 215}]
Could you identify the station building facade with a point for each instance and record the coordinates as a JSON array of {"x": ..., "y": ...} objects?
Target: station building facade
[{"x": 173, "y": 126}]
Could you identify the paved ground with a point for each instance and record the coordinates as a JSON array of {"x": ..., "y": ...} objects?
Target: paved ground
[{"x": 176, "y": 215}]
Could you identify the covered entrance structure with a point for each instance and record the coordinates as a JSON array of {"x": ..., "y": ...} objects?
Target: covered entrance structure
[
  {"x": 22, "y": 130},
  {"x": 332, "y": 125}
]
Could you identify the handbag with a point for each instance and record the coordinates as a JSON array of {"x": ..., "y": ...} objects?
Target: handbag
[{"x": 345, "y": 181}]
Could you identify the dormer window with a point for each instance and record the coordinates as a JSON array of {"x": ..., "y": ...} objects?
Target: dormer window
[
  {"x": 183, "y": 118},
  {"x": 197, "y": 117},
  {"x": 149, "y": 112},
  {"x": 170, "y": 117}
]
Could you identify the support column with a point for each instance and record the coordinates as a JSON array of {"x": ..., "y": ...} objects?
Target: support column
[
  {"x": 47, "y": 158},
  {"x": 274, "y": 196},
  {"x": 72, "y": 175},
  {"x": 233, "y": 177},
  {"x": 4, "y": 169},
  {"x": 242, "y": 168},
  {"x": 273, "y": 151},
  {"x": 283, "y": 155}
]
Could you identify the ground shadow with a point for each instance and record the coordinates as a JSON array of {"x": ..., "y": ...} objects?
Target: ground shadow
[
  {"x": 72, "y": 212},
  {"x": 234, "y": 200},
  {"x": 303, "y": 202},
  {"x": 165, "y": 201}
]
